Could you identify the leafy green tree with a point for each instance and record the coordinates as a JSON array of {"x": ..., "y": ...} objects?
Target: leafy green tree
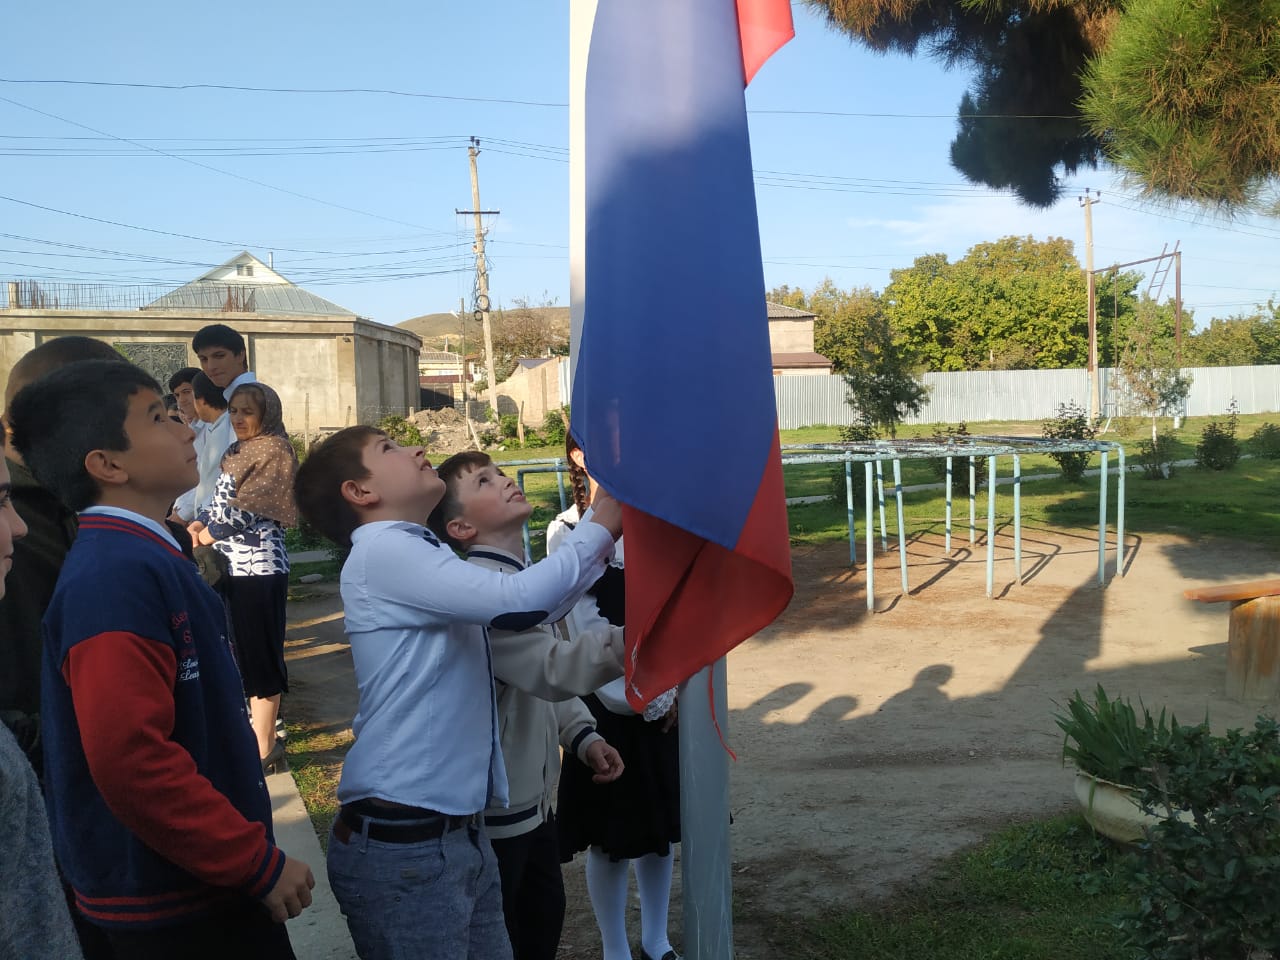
[
  {"x": 1148, "y": 367},
  {"x": 1015, "y": 303},
  {"x": 882, "y": 386},
  {"x": 1228, "y": 342}
]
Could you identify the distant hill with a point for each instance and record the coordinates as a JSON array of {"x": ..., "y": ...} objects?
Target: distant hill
[{"x": 434, "y": 328}]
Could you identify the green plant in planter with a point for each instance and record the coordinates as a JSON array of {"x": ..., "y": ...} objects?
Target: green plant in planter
[
  {"x": 1208, "y": 884},
  {"x": 1107, "y": 740}
]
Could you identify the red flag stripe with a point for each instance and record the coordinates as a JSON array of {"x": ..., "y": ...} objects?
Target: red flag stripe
[{"x": 765, "y": 25}]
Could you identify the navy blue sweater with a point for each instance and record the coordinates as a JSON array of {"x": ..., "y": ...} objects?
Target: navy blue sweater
[{"x": 156, "y": 797}]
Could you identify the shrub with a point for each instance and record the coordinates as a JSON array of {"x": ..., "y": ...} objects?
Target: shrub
[
  {"x": 509, "y": 426},
  {"x": 959, "y": 463},
  {"x": 1218, "y": 448},
  {"x": 553, "y": 428},
  {"x": 402, "y": 431},
  {"x": 1265, "y": 442},
  {"x": 1208, "y": 881},
  {"x": 1155, "y": 457},
  {"x": 1070, "y": 422}
]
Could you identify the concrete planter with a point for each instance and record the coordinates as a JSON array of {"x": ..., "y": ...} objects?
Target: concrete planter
[{"x": 1112, "y": 809}]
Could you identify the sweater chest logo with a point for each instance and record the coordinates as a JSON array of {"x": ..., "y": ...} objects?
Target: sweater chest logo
[{"x": 188, "y": 662}]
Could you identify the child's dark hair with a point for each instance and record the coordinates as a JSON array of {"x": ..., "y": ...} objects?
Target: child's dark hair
[
  {"x": 577, "y": 476},
  {"x": 318, "y": 485},
  {"x": 65, "y": 414},
  {"x": 451, "y": 471},
  {"x": 208, "y": 392},
  {"x": 218, "y": 335},
  {"x": 185, "y": 375},
  {"x": 55, "y": 353}
]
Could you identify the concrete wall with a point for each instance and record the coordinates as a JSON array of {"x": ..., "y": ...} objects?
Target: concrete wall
[
  {"x": 791, "y": 336},
  {"x": 330, "y": 372},
  {"x": 537, "y": 388}
]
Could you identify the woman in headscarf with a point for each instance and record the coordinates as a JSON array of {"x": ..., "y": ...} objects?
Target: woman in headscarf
[{"x": 251, "y": 507}]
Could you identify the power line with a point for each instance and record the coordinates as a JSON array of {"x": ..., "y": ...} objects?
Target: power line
[{"x": 227, "y": 173}]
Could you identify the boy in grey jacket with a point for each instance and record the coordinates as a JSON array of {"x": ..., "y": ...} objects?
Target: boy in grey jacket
[{"x": 538, "y": 677}]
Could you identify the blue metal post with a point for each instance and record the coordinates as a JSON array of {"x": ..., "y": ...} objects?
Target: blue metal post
[
  {"x": 848, "y": 497},
  {"x": 1102, "y": 522},
  {"x": 1017, "y": 516},
  {"x": 902, "y": 545},
  {"x": 991, "y": 526},
  {"x": 564, "y": 505},
  {"x": 1120, "y": 512},
  {"x": 884, "y": 540},
  {"x": 948, "y": 545},
  {"x": 871, "y": 544},
  {"x": 528, "y": 546},
  {"x": 973, "y": 499}
]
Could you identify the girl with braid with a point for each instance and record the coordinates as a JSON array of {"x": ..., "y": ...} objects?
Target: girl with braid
[{"x": 635, "y": 819}]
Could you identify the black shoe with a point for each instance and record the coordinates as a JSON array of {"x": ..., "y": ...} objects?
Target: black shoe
[
  {"x": 669, "y": 955},
  {"x": 274, "y": 762}
]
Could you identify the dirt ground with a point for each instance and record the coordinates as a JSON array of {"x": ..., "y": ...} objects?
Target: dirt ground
[{"x": 870, "y": 746}]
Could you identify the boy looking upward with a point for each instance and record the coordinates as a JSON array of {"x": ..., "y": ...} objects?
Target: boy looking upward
[
  {"x": 426, "y": 759},
  {"x": 160, "y": 817},
  {"x": 483, "y": 512}
]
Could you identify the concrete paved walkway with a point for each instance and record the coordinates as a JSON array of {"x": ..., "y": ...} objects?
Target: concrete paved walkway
[{"x": 320, "y": 933}]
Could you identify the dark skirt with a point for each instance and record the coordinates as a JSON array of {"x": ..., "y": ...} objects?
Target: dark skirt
[
  {"x": 257, "y": 609},
  {"x": 637, "y": 814}
]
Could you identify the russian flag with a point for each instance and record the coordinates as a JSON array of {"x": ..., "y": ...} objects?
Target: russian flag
[{"x": 673, "y": 399}]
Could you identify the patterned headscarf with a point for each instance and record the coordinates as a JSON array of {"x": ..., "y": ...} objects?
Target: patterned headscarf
[{"x": 264, "y": 465}]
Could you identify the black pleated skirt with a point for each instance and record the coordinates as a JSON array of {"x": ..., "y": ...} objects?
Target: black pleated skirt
[{"x": 637, "y": 814}]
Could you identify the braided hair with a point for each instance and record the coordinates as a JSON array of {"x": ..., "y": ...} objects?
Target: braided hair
[{"x": 577, "y": 476}]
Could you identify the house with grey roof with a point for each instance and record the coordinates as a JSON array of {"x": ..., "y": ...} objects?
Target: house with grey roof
[
  {"x": 791, "y": 341},
  {"x": 331, "y": 367}
]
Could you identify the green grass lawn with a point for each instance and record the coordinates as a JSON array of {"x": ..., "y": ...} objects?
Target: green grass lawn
[{"x": 1049, "y": 888}]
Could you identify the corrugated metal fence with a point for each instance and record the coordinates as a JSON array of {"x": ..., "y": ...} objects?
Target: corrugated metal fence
[{"x": 977, "y": 395}]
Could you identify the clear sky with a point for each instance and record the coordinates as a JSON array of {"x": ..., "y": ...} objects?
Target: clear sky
[{"x": 355, "y": 193}]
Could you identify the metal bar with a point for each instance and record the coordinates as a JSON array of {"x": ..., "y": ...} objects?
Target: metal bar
[
  {"x": 871, "y": 544},
  {"x": 564, "y": 505},
  {"x": 524, "y": 532},
  {"x": 705, "y": 857},
  {"x": 1102, "y": 522},
  {"x": 1120, "y": 513},
  {"x": 848, "y": 500},
  {"x": 973, "y": 499},
  {"x": 902, "y": 544},
  {"x": 884, "y": 540},
  {"x": 948, "y": 545},
  {"x": 1017, "y": 516},
  {"x": 991, "y": 526}
]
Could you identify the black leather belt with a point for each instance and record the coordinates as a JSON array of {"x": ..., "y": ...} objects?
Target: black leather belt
[{"x": 429, "y": 826}]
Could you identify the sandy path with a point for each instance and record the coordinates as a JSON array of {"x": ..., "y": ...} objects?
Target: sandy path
[{"x": 871, "y": 746}]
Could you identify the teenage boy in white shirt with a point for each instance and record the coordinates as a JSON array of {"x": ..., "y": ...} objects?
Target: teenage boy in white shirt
[{"x": 409, "y": 861}]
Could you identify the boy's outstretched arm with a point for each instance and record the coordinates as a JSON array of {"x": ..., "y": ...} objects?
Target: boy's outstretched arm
[
  {"x": 398, "y": 576},
  {"x": 538, "y": 662},
  {"x": 122, "y": 691}
]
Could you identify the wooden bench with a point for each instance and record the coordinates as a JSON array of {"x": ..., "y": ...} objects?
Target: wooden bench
[{"x": 1253, "y": 636}]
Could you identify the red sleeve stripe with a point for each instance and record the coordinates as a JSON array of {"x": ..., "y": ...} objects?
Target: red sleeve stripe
[{"x": 140, "y": 916}]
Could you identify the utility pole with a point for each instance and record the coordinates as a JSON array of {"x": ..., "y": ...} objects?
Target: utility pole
[
  {"x": 482, "y": 273},
  {"x": 1095, "y": 386}
]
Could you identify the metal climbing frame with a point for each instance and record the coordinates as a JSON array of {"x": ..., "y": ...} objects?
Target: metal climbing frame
[{"x": 875, "y": 453}]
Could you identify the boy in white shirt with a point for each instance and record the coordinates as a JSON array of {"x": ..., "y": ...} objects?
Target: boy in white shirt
[
  {"x": 483, "y": 512},
  {"x": 408, "y": 860}
]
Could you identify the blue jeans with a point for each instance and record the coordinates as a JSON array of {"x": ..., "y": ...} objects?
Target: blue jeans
[{"x": 436, "y": 900}]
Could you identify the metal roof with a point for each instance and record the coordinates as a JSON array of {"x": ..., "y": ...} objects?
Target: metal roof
[{"x": 270, "y": 298}]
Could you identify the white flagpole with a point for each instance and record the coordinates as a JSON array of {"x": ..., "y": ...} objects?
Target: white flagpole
[{"x": 706, "y": 860}]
